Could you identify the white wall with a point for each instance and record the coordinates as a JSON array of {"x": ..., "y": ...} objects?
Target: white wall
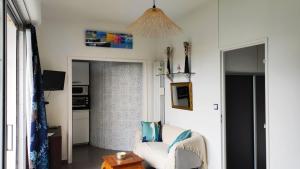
[
  {"x": 201, "y": 28},
  {"x": 246, "y": 20},
  {"x": 60, "y": 40}
]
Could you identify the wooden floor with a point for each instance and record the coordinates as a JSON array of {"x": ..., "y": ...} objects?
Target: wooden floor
[{"x": 88, "y": 157}]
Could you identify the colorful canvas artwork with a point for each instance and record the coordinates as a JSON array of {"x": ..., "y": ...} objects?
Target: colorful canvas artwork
[{"x": 106, "y": 39}]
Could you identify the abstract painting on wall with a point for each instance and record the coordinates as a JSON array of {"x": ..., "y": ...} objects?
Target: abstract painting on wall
[{"x": 110, "y": 40}]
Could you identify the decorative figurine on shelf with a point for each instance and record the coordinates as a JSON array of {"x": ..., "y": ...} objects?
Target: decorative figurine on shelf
[
  {"x": 178, "y": 68},
  {"x": 187, "y": 46},
  {"x": 169, "y": 54}
]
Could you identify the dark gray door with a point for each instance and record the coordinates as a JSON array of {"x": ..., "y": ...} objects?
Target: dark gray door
[
  {"x": 239, "y": 122},
  {"x": 242, "y": 151}
]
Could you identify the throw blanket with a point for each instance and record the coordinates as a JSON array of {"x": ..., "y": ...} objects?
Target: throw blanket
[{"x": 195, "y": 144}]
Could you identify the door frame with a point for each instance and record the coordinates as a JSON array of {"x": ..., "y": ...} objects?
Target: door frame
[
  {"x": 223, "y": 96},
  {"x": 145, "y": 115}
]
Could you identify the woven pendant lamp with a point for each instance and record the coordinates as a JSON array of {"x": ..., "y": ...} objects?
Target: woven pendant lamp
[{"x": 154, "y": 23}]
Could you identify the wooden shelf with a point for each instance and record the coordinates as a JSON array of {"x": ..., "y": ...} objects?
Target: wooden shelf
[{"x": 172, "y": 75}]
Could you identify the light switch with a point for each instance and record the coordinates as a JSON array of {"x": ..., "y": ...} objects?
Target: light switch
[{"x": 216, "y": 107}]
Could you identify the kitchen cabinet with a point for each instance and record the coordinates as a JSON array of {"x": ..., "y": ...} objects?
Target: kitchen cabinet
[
  {"x": 81, "y": 131},
  {"x": 80, "y": 73}
]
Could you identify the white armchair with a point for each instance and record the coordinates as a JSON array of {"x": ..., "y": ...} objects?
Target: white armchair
[{"x": 187, "y": 154}]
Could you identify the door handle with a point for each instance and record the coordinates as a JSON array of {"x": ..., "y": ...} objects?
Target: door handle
[{"x": 10, "y": 137}]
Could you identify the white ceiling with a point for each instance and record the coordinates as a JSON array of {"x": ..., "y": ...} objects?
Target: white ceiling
[{"x": 118, "y": 11}]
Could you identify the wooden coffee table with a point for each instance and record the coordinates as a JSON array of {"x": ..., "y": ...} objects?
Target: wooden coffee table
[{"x": 132, "y": 161}]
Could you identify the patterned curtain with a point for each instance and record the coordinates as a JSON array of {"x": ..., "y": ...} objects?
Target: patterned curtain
[{"x": 38, "y": 138}]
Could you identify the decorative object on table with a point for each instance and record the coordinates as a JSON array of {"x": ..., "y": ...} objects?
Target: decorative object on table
[
  {"x": 107, "y": 39},
  {"x": 154, "y": 23},
  {"x": 186, "y": 52},
  {"x": 131, "y": 161},
  {"x": 169, "y": 55},
  {"x": 182, "y": 95},
  {"x": 178, "y": 68},
  {"x": 151, "y": 131},
  {"x": 121, "y": 155}
]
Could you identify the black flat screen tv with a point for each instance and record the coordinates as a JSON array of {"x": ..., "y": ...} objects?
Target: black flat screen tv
[{"x": 53, "y": 80}]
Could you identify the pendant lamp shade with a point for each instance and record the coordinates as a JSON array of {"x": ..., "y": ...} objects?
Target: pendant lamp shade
[{"x": 154, "y": 23}]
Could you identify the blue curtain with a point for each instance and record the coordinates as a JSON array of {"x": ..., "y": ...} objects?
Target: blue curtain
[{"x": 38, "y": 128}]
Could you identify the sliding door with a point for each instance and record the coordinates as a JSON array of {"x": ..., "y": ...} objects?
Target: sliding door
[
  {"x": 11, "y": 87},
  {"x": 245, "y": 122},
  {"x": 11, "y": 93}
]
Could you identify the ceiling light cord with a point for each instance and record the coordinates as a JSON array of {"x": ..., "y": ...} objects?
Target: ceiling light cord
[{"x": 154, "y": 6}]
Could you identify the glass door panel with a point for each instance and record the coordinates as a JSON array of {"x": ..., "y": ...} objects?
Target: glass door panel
[{"x": 11, "y": 95}]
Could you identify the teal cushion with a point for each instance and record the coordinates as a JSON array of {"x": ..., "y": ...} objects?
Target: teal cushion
[
  {"x": 184, "y": 135},
  {"x": 151, "y": 131}
]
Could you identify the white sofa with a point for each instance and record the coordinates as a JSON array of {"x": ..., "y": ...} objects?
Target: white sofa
[{"x": 187, "y": 154}]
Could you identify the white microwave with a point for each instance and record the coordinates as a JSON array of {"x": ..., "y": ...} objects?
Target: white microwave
[{"x": 80, "y": 90}]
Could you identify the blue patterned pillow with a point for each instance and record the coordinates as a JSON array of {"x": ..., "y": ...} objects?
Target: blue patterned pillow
[{"x": 151, "y": 131}]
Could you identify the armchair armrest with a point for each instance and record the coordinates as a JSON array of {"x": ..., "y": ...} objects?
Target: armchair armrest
[
  {"x": 194, "y": 146},
  {"x": 181, "y": 145}
]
